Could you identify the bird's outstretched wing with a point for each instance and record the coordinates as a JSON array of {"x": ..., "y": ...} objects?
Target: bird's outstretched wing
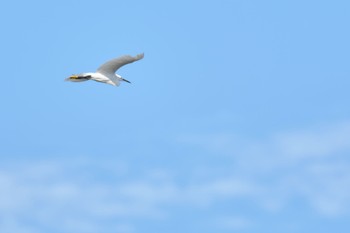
[{"x": 113, "y": 65}]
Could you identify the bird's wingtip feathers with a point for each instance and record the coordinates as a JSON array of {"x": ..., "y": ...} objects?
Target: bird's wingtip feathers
[{"x": 140, "y": 56}]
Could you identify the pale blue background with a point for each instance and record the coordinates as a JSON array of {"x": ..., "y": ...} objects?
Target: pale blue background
[{"x": 237, "y": 119}]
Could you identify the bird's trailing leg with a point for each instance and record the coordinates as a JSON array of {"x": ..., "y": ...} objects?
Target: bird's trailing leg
[{"x": 78, "y": 78}]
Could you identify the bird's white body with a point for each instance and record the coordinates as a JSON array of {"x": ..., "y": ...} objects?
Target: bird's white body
[
  {"x": 112, "y": 79},
  {"x": 106, "y": 72}
]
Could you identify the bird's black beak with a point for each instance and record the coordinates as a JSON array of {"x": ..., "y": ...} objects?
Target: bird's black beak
[{"x": 126, "y": 80}]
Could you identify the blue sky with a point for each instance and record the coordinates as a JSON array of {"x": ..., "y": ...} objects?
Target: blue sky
[{"x": 237, "y": 119}]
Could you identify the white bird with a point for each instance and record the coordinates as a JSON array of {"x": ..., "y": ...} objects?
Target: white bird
[{"x": 106, "y": 72}]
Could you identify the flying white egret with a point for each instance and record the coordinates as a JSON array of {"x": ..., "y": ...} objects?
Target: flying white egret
[{"x": 106, "y": 72}]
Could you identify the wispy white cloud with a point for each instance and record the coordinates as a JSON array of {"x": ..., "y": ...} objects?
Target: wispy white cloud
[
  {"x": 11, "y": 224},
  {"x": 272, "y": 172},
  {"x": 324, "y": 141},
  {"x": 52, "y": 193},
  {"x": 232, "y": 223},
  {"x": 209, "y": 192},
  {"x": 311, "y": 163}
]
